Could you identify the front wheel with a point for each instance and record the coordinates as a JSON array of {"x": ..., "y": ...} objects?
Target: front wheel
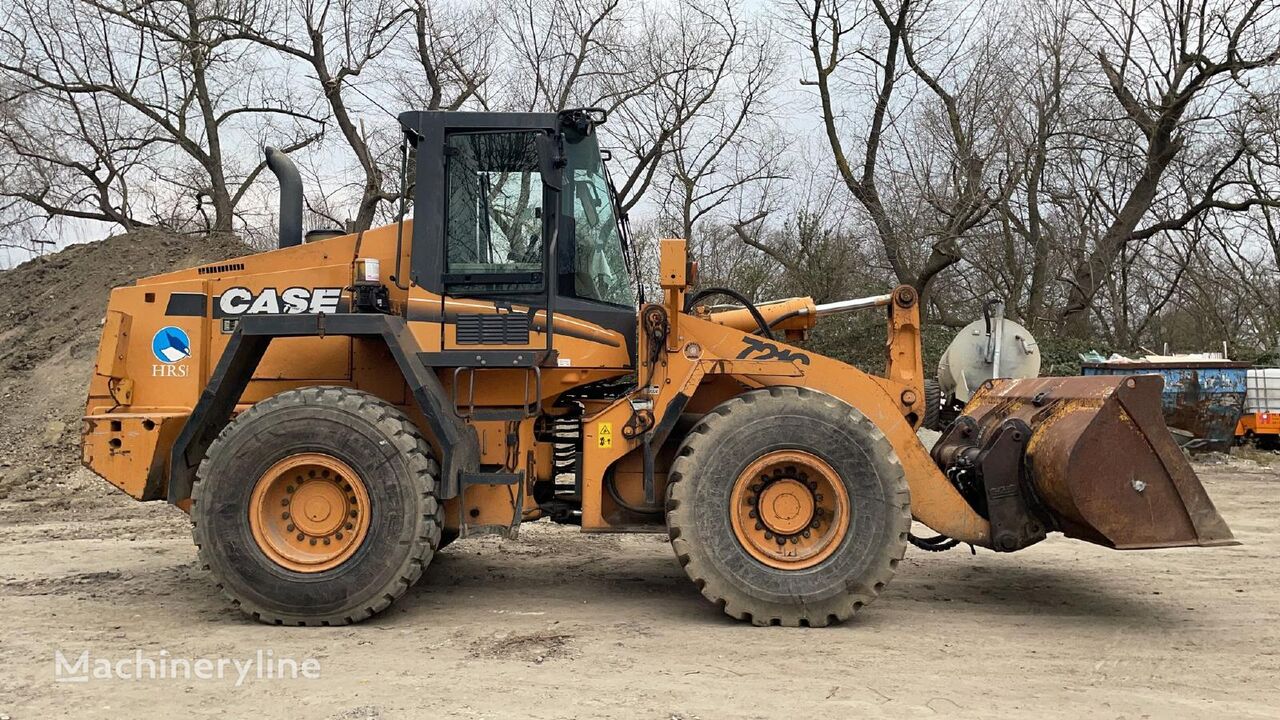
[
  {"x": 786, "y": 506},
  {"x": 317, "y": 507}
]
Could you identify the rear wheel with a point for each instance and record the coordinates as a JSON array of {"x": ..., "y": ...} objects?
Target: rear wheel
[
  {"x": 786, "y": 506},
  {"x": 317, "y": 506}
]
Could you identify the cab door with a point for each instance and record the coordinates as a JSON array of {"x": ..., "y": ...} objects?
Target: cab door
[{"x": 496, "y": 230}]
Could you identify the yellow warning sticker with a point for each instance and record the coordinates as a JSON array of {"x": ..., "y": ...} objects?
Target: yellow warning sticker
[{"x": 604, "y": 435}]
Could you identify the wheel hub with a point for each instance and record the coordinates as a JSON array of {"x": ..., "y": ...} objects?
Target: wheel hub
[
  {"x": 309, "y": 512},
  {"x": 786, "y": 507},
  {"x": 321, "y": 505},
  {"x": 789, "y": 509}
]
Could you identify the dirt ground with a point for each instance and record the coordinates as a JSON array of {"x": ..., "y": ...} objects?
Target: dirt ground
[{"x": 560, "y": 625}]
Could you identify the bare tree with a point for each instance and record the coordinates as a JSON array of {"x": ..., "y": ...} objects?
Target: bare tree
[
  {"x": 731, "y": 149},
  {"x": 337, "y": 40},
  {"x": 449, "y": 58},
  {"x": 144, "y": 91},
  {"x": 653, "y": 69},
  {"x": 887, "y": 49},
  {"x": 1177, "y": 72}
]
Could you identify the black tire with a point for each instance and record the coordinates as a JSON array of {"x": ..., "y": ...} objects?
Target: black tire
[
  {"x": 374, "y": 439},
  {"x": 932, "y": 405},
  {"x": 724, "y": 443}
]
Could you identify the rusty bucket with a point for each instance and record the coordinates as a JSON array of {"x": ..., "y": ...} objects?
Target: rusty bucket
[{"x": 1098, "y": 463}]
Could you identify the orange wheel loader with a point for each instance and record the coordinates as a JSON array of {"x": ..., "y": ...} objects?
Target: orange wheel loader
[{"x": 332, "y": 413}]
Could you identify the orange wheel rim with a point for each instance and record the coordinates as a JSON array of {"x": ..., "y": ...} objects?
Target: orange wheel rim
[
  {"x": 789, "y": 509},
  {"x": 309, "y": 512}
]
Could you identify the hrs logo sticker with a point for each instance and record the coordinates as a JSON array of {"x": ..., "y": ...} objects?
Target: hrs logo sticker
[
  {"x": 172, "y": 347},
  {"x": 270, "y": 301}
]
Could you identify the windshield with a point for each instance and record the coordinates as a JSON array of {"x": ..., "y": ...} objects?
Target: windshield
[{"x": 599, "y": 266}]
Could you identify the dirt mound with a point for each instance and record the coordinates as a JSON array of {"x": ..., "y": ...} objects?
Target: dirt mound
[{"x": 51, "y": 311}]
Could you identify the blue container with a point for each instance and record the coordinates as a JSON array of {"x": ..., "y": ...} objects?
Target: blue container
[{"x": 1202, "y": 398}]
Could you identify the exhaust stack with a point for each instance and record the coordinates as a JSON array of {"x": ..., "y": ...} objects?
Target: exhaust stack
[{"x": 290, "y": 196}]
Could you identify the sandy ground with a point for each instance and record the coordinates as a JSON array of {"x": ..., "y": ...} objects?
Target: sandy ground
[{"x": 567, "y": 625}]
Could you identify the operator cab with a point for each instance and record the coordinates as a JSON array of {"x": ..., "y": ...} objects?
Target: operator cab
[{"x": 518, "y": 208}]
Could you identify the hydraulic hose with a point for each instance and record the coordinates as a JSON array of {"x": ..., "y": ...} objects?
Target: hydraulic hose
[{"x": 750, "y": 306}]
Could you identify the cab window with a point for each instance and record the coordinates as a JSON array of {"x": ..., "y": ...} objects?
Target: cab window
[{"x": 494, "y": 209}]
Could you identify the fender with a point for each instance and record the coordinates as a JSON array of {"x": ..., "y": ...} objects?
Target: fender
[{"x": 460, "y": 451}]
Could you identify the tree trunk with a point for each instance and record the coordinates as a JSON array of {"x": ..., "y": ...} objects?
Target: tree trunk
[{"x": 1089, "y": 274}]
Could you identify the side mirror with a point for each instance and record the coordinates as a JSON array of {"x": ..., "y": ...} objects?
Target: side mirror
[{"x": 550, "y": 159}]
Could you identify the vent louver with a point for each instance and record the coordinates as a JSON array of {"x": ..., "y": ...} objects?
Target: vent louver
[{"x": 503, "y": 329}]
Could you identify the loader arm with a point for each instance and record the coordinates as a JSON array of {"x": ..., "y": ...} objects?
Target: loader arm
[{"x": 1087, "y": 457}]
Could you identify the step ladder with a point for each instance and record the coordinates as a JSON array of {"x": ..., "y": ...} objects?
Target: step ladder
[{"x": 511, "y": 477}]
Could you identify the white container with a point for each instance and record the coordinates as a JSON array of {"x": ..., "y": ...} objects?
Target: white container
[{"x": 1262, "y": 390}]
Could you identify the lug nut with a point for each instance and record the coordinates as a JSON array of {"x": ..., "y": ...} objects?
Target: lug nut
[
  {"x": 285, "y": 501},
  {"x": 759, "y": 525},
  {"x": 339, "y": 535},
  {"x": 752, "y": 514},
  {"x": 768, "y": 535},
  {"x": 805, "y": 533},
  {"x": 313, "y": 541},
  {"x": 326, "y": 541},
  {"x": 291, "y": 528},
  {"x": 301, "y": 537},
  {"x": 284, "y": 516},
  {"x": 351, "y": 526},
  {"x": 290, "y": 489}
]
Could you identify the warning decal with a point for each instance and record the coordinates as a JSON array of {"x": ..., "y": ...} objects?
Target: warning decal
[{"x": 604, "y": 435}]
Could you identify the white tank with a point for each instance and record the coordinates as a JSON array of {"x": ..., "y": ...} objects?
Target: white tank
[
  {"x": 1262, "y": 390},
  {"x": 989, "y": 348}
]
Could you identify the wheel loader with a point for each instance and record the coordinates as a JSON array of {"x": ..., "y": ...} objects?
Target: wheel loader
[{"x": 333, "y": 412}]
